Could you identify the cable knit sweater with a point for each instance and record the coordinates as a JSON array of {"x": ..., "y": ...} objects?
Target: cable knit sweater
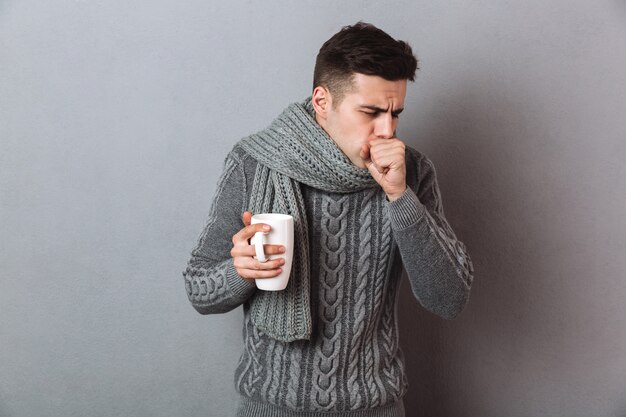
[{"x": 359, "y": 243}]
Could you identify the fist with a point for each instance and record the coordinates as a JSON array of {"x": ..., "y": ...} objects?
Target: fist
[{"x": 384, "y": 158}]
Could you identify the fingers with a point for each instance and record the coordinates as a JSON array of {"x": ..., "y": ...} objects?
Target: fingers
[
  {"x": 242, "y": 252},
  {"x": 377, "y": 164},
  {"x": 247, "y": 232},
  {"x": 384, "y": 154},
  {"x": 251, "y": 274},
  {"x": 370, "y": 163},
  {"x": 386, "y": 146},
  {"x": 368, "y": 160},
  {"x": 246, "y": 262},
  {"x": 250, "y": 268},
  {"x": 249, "y": 250}
]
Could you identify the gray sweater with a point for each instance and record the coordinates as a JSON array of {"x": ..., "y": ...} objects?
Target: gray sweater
[{"x": 359, "y": 243}]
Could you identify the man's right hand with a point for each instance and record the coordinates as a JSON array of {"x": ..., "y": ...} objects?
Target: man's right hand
[{"x": 242, "y": 252}]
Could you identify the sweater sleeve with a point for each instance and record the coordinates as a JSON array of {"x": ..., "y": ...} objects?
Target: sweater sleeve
[
  {"x": 438, "y": 265},
  {"x": 211, "y": 280}
]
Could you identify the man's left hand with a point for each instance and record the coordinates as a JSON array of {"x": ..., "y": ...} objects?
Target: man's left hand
[{"x": 384, "y": 158}]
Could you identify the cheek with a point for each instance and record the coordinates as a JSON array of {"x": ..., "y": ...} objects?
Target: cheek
[
  {"x": 361, "y": 134},
  {"x": 354, "y": 132}
]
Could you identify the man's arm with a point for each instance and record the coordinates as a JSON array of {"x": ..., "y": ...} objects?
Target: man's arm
[
  {"x": 211, "y": 280},
  {"x": 437, "y": 263}
]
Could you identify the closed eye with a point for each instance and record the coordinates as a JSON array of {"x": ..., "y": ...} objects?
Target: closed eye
[
  {"x": 375, "y": 114},
  {"x": 374, "y": 111}
]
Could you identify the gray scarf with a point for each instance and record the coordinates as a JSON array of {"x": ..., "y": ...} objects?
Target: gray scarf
[{"x": 295, "y": 149}]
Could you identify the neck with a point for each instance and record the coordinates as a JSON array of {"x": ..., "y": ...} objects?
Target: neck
[{"x": 320, "y": 122}]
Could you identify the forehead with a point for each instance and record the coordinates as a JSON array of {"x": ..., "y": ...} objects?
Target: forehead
[{"x": 375, "y": 90}]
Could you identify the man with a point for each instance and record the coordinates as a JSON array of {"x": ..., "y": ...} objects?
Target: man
[{"x": 365, "y": 205}]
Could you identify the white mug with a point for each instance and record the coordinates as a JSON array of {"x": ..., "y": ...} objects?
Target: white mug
[{"x": 281, "y": 233}]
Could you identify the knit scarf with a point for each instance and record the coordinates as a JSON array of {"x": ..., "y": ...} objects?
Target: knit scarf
[{"x": 295, "y": 149}]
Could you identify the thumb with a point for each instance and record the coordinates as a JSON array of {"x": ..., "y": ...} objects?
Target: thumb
[
  {"x": 366, "y": 156},
  {"x": 246, "y": 218},
  {"x": 376, "y": 174},
  {"x": 365, "y": 152}
]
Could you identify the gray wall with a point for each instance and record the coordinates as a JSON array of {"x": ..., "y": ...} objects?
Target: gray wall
[{"x": 115, "y": 117}]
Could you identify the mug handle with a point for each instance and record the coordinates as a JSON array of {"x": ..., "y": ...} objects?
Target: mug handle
[{"x": 258, "y": 242}]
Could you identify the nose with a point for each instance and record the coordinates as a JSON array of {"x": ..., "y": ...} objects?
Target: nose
[{"x": 385, "y": 126}]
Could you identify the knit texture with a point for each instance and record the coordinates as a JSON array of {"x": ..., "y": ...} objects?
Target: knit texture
[
  {"x": 359, "y": 244},
  {"x": 251, "y": 408},
  {"x": 294, "y": 149}
]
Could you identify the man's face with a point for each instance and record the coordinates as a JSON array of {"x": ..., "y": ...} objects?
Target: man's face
[{"x": 369, "y": 111}]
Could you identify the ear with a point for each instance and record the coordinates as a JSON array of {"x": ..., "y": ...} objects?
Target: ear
[{"x": 322, "y": 101}]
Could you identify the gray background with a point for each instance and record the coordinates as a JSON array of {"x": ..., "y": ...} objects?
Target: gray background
[{"x": 115, "y": 118}]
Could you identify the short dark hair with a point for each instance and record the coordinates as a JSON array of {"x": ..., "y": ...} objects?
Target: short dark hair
[{"x": 361, "y": 48}]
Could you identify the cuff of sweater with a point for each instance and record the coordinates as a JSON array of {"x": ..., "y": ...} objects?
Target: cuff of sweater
[
  {"x": 406, "y": 210},
  {"x": 236, "y": 283}
]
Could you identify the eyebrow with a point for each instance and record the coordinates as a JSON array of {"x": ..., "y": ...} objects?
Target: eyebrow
[{"x": 380, "y": 109}]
